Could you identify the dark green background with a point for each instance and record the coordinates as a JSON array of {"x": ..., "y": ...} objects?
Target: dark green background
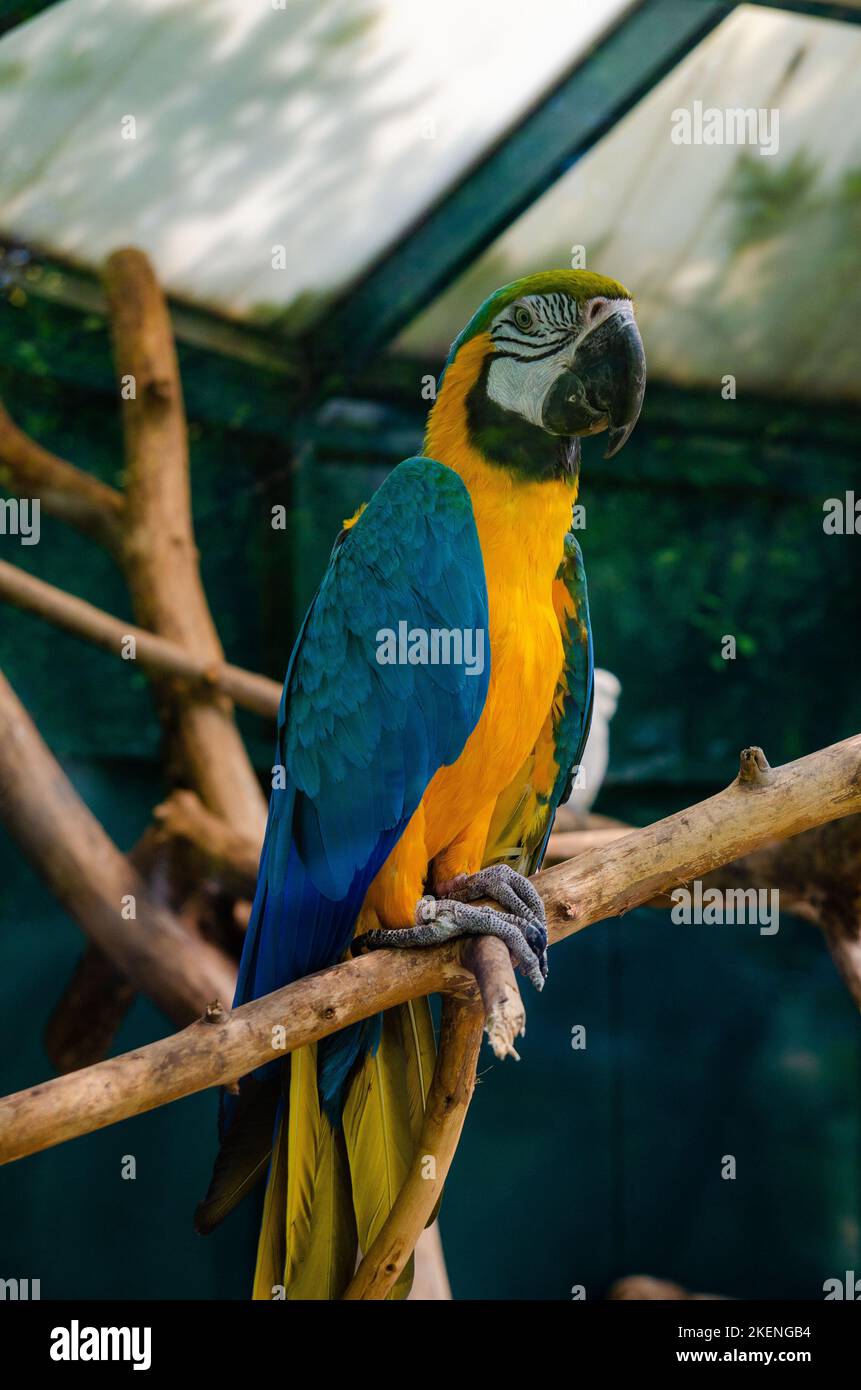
[{"x": 576, "y": 1167}]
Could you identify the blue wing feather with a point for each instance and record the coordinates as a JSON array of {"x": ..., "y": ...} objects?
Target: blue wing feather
[{"x": 359, "y": 740}]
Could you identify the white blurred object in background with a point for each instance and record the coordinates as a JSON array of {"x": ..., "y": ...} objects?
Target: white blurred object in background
[{"x": 596, "y": 755}]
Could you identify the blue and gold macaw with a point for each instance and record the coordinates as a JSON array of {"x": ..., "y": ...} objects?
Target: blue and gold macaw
[{"x": 412, "y": 786}]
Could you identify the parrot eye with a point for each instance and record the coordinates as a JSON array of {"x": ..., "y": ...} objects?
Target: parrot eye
[{"x": 523, "y": 317}]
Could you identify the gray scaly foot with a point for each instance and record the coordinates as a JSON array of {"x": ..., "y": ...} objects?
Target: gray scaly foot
[{"x": 519, "y": 920}]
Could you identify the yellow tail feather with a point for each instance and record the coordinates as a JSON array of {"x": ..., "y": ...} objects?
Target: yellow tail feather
[
  {"x": 286, "y": 1226},
  {"x": 329, "y": 1192},
  {"x": 331, "y": 1255},
  {"x": 269, "y": 1274}
]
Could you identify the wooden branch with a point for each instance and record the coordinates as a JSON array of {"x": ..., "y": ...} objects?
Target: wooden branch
[
  {"x": 843, "y": 935},
  {"x": 160, "y": 556},
  {"x": 160, "y": 561},
  {"x": 93, "y": 881},
  {"x": 213, "y": 849},
  {"x": 635, "y": 869},
  {"x": 157, "y": 655},
  {"x": 84, "y": 1021},
  {"x": 64, "y": 491},
  {"x": 505, "y": 1017},
  {"x": 812, "y": 869},
  {"x": 448, "y": 1101},
  {"x": 205, "y": 1055},
  {"x": 150, "y": 531},
  {"x": 86, "y": 1017},
  {"x": 643, "y": 1287},
  {"x": 815, "y": 872},
  {"x": 565, "y": 844},
  {"x": 817, "y": 876}
]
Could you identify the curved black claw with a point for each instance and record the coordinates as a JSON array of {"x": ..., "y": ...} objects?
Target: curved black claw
[{"x": 523, "y": 928}]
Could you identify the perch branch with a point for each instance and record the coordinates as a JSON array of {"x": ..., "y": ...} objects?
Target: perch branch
[
  {"x": 815, "y": 872},
  {"x": 635, "y": 869},
  {"x": 63, "y": 490},
  {"x": 157, "y": 655},
  {"x": 450, "y": 1093},
  {"x": 217, "y": 1052},
  {"x": 93, "y": 881}
]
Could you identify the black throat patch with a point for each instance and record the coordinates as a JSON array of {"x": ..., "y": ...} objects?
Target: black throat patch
[{"x": 510, "y": 442}]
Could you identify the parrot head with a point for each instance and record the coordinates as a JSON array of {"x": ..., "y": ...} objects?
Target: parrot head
[{"x": 544, "y": 361}]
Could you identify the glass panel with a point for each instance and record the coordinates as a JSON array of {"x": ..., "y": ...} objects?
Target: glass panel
[
  {"x": 742, "y": 258},
  {"x": 324, "y": 127}
]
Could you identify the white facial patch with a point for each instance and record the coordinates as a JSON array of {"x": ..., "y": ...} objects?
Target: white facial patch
[
  {"x": 536, "y": 339},
  {"x": 522, "y": 387}
]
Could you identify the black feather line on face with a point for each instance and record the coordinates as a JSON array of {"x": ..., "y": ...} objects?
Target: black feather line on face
[
  {"x": 556, "y": 312},
  {"x": 535, "y": 356},
  {"x": 552, "y": 312},
  {"x": 557, "y": 341}
]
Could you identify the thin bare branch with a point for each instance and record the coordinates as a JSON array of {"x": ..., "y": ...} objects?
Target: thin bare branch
[
  {"x": 64, "y": 491},
  {"x": 157, "y": 655}
]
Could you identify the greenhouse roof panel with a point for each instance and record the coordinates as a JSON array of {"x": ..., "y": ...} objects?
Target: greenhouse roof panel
[
  {"x": 741, "y": 262},
  {"x": 322, "y": 128}
]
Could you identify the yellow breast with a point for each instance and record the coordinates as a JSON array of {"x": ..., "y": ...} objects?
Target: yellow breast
[{"x": 521, "y": 528}]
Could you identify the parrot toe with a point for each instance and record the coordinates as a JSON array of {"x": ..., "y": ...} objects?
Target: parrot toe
[{"x": 519, "y": 920}]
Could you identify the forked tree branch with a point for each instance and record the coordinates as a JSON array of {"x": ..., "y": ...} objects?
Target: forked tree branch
[
  {"x": 815, "y": 872},
  {"x": 148, "y": 529},
  {"x": 760, "y": 806},
  {"x": 159, "y": 552},
  {"x": 209, "y": 847}
]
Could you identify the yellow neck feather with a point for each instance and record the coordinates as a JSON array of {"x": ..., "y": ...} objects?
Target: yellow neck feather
[{"x": 521, "y": 524}]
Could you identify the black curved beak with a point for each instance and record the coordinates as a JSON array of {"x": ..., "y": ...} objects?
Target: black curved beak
[{"x": 605, "y": 386}]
